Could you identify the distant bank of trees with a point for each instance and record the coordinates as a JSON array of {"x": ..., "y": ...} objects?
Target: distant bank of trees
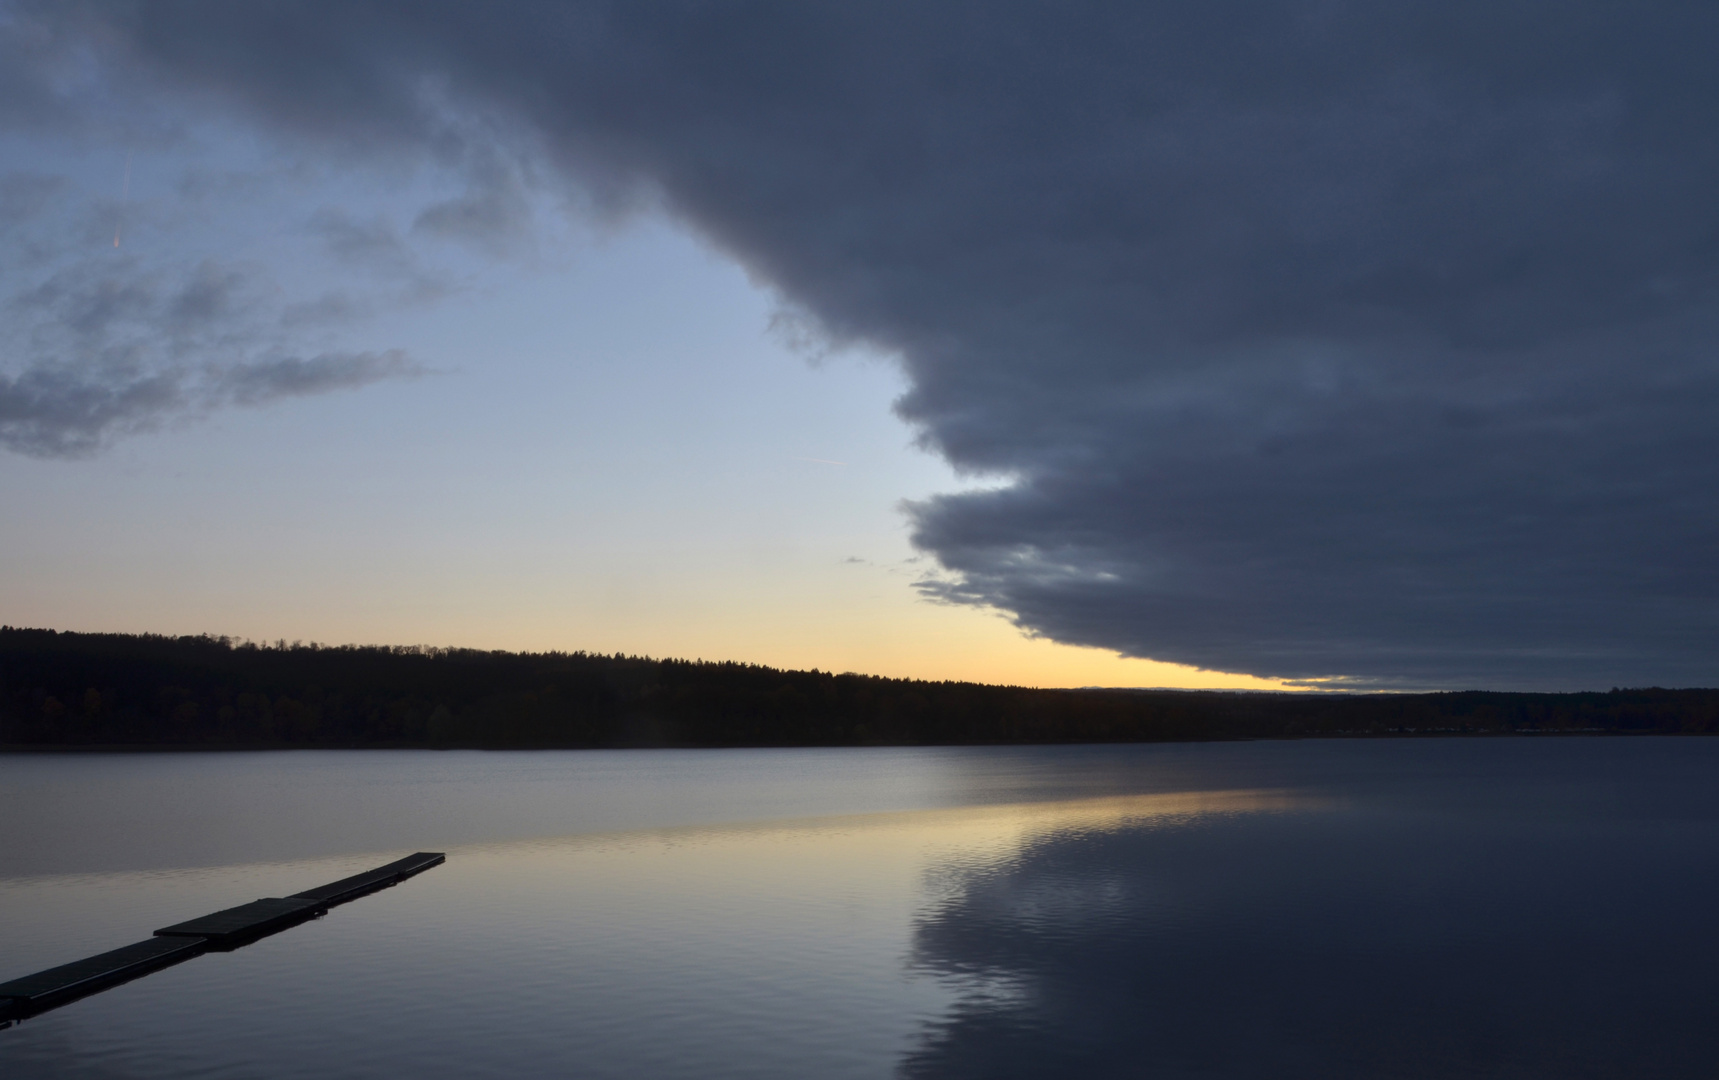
[{"x": 87, "y": 690}]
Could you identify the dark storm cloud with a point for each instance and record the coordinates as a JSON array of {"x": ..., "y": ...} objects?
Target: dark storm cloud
[{"x": 1315, "y": 339}]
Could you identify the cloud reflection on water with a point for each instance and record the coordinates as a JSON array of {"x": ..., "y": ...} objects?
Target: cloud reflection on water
[{"x": 1324, "y": 939}]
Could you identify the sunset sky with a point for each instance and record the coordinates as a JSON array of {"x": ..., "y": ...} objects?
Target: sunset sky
[{"x": 1246, "y": 344}]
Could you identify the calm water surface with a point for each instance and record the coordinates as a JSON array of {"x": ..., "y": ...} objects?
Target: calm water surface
[{"x": 1437, "y": 908}]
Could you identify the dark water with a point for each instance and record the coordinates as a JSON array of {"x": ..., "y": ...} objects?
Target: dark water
[{"x": 1498, "y": 908}]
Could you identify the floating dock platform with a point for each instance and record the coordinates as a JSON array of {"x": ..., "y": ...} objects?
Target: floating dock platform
[
  {"x": 60, "y": 985},
  {"x": 223, "y": 930},
  {"x": 247, "y": 922},
  {"x": 339, "y": 892}
]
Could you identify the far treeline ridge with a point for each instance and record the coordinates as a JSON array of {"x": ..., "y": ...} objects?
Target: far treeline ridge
[{"x": 123, "y": 690}]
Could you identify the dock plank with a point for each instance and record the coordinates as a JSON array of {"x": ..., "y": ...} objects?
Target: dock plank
[
  {"x": 371, "y": 880},
  {"x": 80, "y": 977},
  {"x": 250, "y": 920}
]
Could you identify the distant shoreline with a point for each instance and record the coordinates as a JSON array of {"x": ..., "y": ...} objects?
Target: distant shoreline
[
  {"x": 245, "y": 748},
  {"x": 114, "y": 693},
  {"x": 259, "y": 748}
]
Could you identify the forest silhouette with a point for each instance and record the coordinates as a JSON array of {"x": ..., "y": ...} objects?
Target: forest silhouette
[{"x": 71, "y": 690}]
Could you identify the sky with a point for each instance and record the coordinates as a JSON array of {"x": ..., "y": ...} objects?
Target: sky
[{"x": 1254, "y": 344}]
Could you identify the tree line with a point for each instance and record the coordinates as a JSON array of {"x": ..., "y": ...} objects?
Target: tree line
[{"x": 147, "y": 690}]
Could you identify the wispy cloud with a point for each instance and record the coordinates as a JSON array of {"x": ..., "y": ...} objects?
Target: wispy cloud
[
  {"x": 95, "y": 347},
  {"x": 68, "y": 411}
]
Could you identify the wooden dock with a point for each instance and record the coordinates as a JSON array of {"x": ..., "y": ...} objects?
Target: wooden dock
[
  {"x": 230, "y": 928},
  {"x": 339, "y": 892}
]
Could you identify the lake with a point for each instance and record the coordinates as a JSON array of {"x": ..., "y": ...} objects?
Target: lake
[{"x": 1510, "y": 907}]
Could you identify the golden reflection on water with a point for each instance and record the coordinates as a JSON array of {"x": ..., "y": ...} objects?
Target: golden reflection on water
[
  {"x": 1025, "y": 821},
  {"x": 879, "y": 859},
  {"x": 964, "y": 825}
]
